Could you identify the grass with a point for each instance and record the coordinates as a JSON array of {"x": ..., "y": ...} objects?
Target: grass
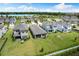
[
  {"x": 17, "y": 22},
  {"x": 54, "y": 42}
]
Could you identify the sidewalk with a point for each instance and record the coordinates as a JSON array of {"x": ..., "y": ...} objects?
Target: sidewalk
[{"x": 61, "y": 51}]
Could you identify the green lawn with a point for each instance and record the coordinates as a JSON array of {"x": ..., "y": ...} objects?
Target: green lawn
[
  {"x": 54, "y": 42},
  {"x": 17, "y": 22}
]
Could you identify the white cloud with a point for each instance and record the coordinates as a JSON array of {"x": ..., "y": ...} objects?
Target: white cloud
[
  {"x": 57, "y": 8},
  {"x": 63, "y": 6}
]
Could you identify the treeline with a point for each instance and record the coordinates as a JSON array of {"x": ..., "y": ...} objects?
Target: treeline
[
  {"x": 48, "y": 13},
  {"x": 40, "y": 13}
]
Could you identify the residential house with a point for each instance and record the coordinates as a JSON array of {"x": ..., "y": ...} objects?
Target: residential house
[
  {"x": 37, "y": 32},
  {"x": 30, "y": 18},
  {"x": 11, "y": 22},
  {"x": 61, "y": 26},
  {"x": 1, "y": 21},
  {"x": 71, "y": 19},
  {"x": 7, "y": 20},
  {"x": 47, "y": 26},
  {"x": 3, "y": 30},
  {"x": 56, "y": 26},
  {"x": 23, "y": 20},
  {"x": 21, "y": 31}
]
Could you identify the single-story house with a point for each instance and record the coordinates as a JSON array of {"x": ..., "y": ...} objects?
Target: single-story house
[
  {"x": 3, "y": 30},
  {"x": 22, "y": 19},
  {"x": 30, "y": 18},
  {"x": 11, "y": 22},
  {"x": 37, "y": 31},
  {"x": 7, "y": 20},
  {"x": 47, "y": 26},
  {"x": 71, "y": 19},
  {"x": 61, "y": 26},
  {"x": 20, "y": 31},
  {"x": 1, "y": 21},
  {"x": 56, "y": 26}
]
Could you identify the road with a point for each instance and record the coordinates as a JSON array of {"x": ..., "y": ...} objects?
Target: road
[{"x": 61, "y": 51}]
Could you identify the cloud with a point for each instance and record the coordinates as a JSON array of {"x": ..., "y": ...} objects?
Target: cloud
[
  {"x": 57, "y": 8},
  {"x": 65, "y": 8}
]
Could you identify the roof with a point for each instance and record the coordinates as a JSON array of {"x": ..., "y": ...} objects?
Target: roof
[
  {"x": 47, "y": 25},
  {"x": 23, "y": 19},
  {"x": 70, "y": 18},
  {"x": 12, "y": 20},
  {"x": 21, "y": 27},
  {"x": 60, "y": 24},
  {"x": 30, "y": 18},
  {"x": 16, "y": 34},
  {"x": 36, "y": 30},
  {"x": 1, "y": 20}
]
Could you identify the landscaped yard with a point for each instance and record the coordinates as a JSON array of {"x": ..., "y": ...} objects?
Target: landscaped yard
[{"x": 54, "y": 42}]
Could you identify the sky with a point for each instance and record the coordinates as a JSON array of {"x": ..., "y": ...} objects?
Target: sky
[{"x": 39, "y": 7}]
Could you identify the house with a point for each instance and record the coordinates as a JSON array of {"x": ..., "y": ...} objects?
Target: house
[
  {"x": 23, "y": 20},
  {"x": 61, "y": 26},
  {"x": 56, "y": 26},
  {"x": 11, "y": 22},
  {"x": 71, "y": 19},
  {"x": 20, "y": 31},
  {"x": 65, "y": 18},
  {"x": 7, "y": 20},
  {"x": 47, "y": 26},
  {"x": 37, "y": 32},
  {"x": 30, "y": 18},
  {"x": 74, "y": 20},
  {"x": 1, "y": 21},
  {"x": 3, "y": 30}
]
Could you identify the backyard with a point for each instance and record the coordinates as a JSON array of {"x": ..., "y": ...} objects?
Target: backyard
[{"x": 54, "y": 42}]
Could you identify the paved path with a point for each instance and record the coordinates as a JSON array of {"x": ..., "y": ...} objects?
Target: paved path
[{"x": 58, "y": 52}]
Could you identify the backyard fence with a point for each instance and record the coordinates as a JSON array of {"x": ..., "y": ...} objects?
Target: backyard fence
[{"x": 2, "y": 45}]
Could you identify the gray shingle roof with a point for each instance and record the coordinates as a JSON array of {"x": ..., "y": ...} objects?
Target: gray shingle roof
[
  {"x": 36, "y": 30},
  {"x": 1, "y": 20},
  {"x": 70, "y": 18},
  {"x": 60, "y": 24},
  {"x": 12, "y": 20},
  {"x": 47, "y": 25},
  {"x": 21, "y": 27}
]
